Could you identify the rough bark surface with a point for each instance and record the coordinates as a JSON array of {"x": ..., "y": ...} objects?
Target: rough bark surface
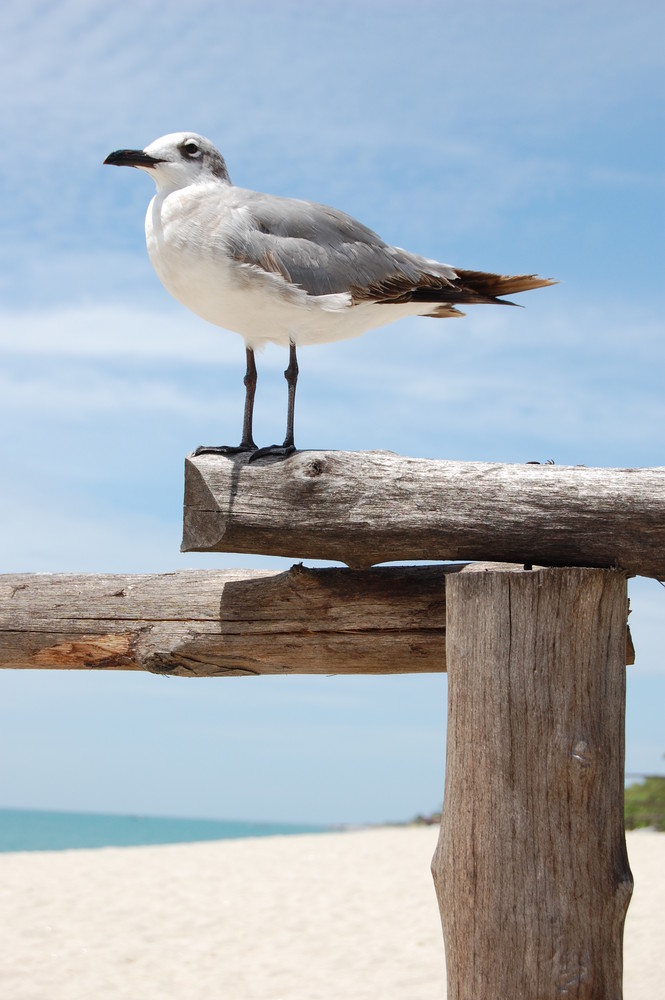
[
  {"x": 531, "y": 870},
  {"x": 228, "y": 623},
  {"x": 363, "y": 508}
]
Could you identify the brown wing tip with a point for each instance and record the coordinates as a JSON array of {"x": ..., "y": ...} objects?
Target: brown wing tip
[
  {"x": 490, "y": 286},
  {"x": 524, "y": 283}
]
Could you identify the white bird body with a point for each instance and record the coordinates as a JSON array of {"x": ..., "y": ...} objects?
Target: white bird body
[
  {"x": 259, "y": 305},
  {"x": 281, "y": 270}
]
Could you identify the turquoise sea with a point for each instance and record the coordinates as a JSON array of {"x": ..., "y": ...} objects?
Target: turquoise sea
[{"x": 37, "y": 830}]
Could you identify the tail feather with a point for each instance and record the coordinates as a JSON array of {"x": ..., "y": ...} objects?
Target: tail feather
[
  {"x": 481, "y": 287},
  {"x": 491, "y": 286},
  {"x": 444, "y": 289}
]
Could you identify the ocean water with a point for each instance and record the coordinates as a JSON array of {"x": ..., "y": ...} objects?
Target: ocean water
[{"x": 37, "y": 830}]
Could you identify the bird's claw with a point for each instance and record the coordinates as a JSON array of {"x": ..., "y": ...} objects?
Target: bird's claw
[
  {"x": 224, "y": 449},
  {"x": 280, "y": 450}
]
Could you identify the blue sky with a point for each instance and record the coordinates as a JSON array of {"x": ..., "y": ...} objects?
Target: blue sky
[{"x": 510, "y": 137}]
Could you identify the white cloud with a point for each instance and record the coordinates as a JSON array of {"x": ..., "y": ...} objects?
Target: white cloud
[{"x": 116, "y": 331}]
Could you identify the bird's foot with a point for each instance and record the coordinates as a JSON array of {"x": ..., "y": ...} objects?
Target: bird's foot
[
  {"x": 281, "y": 450},
  {"x": 225, "y": 449}
]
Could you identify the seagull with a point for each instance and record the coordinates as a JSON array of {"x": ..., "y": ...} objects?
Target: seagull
[{"x": 284, "y": 271}]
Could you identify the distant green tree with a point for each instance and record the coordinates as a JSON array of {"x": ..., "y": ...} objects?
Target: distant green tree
[{"x": 645, "y": 804}]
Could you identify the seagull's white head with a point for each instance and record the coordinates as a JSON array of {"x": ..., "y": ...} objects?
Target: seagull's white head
[{"x": 175, "y": 161}]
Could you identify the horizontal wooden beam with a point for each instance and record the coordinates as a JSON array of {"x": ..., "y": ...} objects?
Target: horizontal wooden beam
[
  {"x": 228, "y": 622},
  {"x": 386, "y": 620},
  {"x": 363, "y": 508}
]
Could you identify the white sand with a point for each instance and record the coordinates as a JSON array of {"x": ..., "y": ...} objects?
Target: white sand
[{"x": 349, "y": 915}]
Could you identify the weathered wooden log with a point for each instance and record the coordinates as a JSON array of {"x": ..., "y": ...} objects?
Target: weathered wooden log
[
  {"x": 228, "y": 623},
  {"x": 531, "y": 869},
  {"x": 363, "y": 508}
]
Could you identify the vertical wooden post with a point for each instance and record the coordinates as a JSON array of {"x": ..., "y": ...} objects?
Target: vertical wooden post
[{"x": 531, "y": 870}]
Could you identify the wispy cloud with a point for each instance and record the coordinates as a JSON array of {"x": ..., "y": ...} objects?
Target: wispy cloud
[
  {"x": 114, "y": 331},
  {"x": 552, "y": 373},
  {"x": 475, "y": 135}
]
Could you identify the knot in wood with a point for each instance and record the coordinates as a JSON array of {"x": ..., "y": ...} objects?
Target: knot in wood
[
  {"x": 314, "y": 468},
  {"x": 581, "y": 753}
]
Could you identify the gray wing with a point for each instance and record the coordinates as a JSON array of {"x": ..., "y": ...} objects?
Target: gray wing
[{"x": 324, "y": 251}]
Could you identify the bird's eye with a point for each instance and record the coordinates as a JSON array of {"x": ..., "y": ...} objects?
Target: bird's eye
[{"x": 190, "y": 149}]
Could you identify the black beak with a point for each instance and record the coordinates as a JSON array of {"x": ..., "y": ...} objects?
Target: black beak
[{"x": 131, "y": 158}]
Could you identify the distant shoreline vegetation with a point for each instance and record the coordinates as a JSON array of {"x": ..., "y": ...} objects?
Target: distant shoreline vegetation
[{"x": 644, "y": 806}]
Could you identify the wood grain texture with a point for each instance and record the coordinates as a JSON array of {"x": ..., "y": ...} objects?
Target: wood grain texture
[
  {"x": 228, "y": 623},
  {"x": 364, "y": 508},
  {"x": 531, "y": 869}
]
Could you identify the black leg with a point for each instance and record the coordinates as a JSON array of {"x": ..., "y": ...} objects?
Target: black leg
[
  {"x": 247, "y": 443},
  {"x": 291, "y": 376}
]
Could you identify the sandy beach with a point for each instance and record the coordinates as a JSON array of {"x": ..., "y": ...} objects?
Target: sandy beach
[{"x": 311, "y": 917}]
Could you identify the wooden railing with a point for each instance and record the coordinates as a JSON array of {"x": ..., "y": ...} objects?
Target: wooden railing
[{"x": 531, "y": 871}]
